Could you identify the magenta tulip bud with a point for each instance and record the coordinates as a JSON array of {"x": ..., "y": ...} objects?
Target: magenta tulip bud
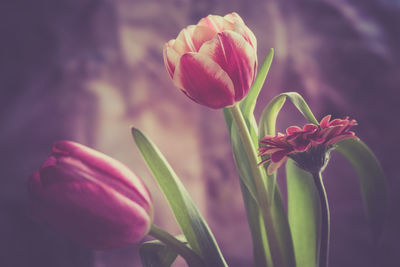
[
  {"x": 90, "y": 197},
  {"x": 214, "y": 62}
]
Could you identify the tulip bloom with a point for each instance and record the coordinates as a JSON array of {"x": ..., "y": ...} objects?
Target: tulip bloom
[
  {"x": 214, "y": 62},
  {"x": 90, "y": 197},
  {"x": 306, "y": 146}
]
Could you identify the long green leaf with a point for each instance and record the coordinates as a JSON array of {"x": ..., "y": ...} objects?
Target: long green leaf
[
  {"x": 156, "y": 254},
  {"x": 372, "y": 182},
  {"x": 248, "y": 104},
  {"x": 303, "y": 213},
  {"x": 261, "y": 253},
  {"x": 242, "y": 163},
  {"x": 279, "y": 224},
  {"x": 262, "y": 256},
  {"x": 193, "y": 225}
]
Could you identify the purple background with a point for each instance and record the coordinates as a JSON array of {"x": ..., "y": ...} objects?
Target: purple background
[{"x": 86, "y": 70}]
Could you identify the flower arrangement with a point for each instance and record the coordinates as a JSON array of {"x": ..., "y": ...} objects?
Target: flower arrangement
[{"x": 98, "y": 202}]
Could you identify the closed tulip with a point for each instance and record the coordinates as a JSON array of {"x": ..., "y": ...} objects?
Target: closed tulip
[
  {"x": 214, "y": 62},
  {"x": 90, "y": 197}
]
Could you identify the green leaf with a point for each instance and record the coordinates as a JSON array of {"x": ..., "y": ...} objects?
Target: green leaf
[
  {"x": 242, "y": 163},
  {"x": 372, "y": 182},
  {"x": 257, "y": 226},
  {"x": 248, "y": 104},
  {"x": 262, "y": 256},
  {"x": 192, "y": 224},
  {"x": 261, "y": 253},
  {"x": 303, "y": 212},
  {"x": 156, "y": 254},
  {"x": 271, "y": 111}
]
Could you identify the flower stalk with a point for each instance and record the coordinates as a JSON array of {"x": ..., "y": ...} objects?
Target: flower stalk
[
  {"x": 262, "y": 198},
  {"x": 192, "y": 259},
  {"x": 324, "y": 226}
]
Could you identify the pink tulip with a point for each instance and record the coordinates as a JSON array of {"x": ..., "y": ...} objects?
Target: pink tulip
[
  {"x": 90, "y": 197},
  {"x": 214, "y": 62}
]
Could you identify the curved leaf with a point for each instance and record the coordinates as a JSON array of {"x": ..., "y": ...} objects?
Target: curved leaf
[
  {"x": 271, "y": 111},
  {"x": 192, "y": 224},
  {"x": 372, "y": 181}
]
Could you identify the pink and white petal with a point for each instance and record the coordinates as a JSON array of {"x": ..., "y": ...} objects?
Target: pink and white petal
[
  {"x": 171, "y": 57},
  {"x": 183, "y": 43},
  {"x": 246, "y": 33},
  {"x": 234, "y": 18},
  {"x": 204, "y": 80},
  {"x": 216, "y": 23},
  {"x": 273, "y": 166},
  {"x": 235, "y": 56},
  {"x": 325, "y": 121},
  {"x": 201, "y": 35}
]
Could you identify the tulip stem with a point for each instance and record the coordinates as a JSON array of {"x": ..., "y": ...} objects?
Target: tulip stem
[
  {"x": 323, "y": 240},
  {"x": 278, "y": 258},
  {"x": 192, "y": 259}
]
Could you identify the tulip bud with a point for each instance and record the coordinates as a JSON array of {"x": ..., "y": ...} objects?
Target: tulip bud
[
  {"x": 90, "y": 197},
  {"x": 214, "y": 62}
]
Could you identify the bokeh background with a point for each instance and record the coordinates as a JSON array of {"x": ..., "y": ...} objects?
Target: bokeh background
[{"x": 86, "y": 70}]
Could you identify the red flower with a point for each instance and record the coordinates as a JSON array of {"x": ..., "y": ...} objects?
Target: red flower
[
  {"x": 90, "y": 197},
  {"x": 306, "y": 146},
  {"x": 214, "y": 62}
]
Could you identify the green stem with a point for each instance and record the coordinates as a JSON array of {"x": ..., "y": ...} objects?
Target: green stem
[
  {"x": 192, "y": 259},
  {"x": 324, "y": 227},
  {"x": 277, "y": 257}
]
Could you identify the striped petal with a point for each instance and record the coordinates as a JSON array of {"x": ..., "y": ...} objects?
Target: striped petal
[
  {"x": 201, "y": 35},
  {"x": 235, "y": 56},
  {"x": 204, "y": 81},
  {"x": 183, "y": 43},
  {"x": 216, "y": 23},
  {"x": 171, "y": 57}
]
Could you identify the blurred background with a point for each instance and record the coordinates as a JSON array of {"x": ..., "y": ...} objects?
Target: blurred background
[{"x": 86, "y": 70}]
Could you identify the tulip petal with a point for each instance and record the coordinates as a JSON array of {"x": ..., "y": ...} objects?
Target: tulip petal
[
  {"x": 107, "y": 219},
  {"x": 171, "y": 57},
  {"x": 216, "y": 23},
  {"x": 204, "y": 81},
  {"x": 201, "y": 35},
  {"x": 235, "y": 56},
  {"x": 183, "y": 43},
  {"x": 234, "y": 18},
  {"x": 108, "y": 170}
]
